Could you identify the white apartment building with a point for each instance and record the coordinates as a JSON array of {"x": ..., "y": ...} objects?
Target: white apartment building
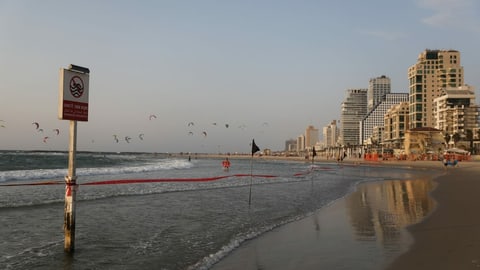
[
  {"x": 330, "y": 134},
  {"x": 455, "y": 111},
  {"x": 354, "y": 109}
]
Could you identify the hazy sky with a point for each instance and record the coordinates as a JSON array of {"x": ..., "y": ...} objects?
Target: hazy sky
[{"x": 268, "y": 69}]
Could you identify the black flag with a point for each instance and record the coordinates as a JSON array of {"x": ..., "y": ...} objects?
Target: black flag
[{"x": 254, "y": 147}]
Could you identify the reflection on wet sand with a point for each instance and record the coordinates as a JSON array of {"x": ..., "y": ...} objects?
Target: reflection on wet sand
[
  {"x": 365, "y": 230},
  {"x": 380, "y": 211}
]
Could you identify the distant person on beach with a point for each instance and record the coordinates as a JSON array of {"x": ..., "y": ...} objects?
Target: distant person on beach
[
  {"x": 449, "y": 161},
  {"x": 455, "y": 163},
  {"x": 226, "y": 164}
]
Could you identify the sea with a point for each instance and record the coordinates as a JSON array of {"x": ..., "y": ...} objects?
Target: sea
[{"x": 158, "y": 211}]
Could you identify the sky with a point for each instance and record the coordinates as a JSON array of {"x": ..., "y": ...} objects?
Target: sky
[{"x": 267, "y": 69}]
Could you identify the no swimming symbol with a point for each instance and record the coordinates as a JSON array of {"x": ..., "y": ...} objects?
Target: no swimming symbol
[{"x": 76, "y": 86}]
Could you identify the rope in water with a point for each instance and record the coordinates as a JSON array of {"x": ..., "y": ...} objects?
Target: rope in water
[{"x": 162, "y": 180}]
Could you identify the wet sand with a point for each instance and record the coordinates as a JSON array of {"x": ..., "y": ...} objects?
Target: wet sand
[
  {"x": 449, "y": 238},
  {"x": 408, "y": 224}
]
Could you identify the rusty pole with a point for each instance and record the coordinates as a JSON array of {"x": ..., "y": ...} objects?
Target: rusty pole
[{"x": 70, "y": 191}]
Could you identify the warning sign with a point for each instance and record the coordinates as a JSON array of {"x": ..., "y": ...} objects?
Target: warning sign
[{"x": 73, "y": 101}]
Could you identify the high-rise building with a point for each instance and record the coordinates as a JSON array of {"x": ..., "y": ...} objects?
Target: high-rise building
[
  {"x": 395, "y": 125},
  {"x": 375, "y": 117},
  {"x": 330, "y": 134},
  {"x": 291, "y": 145},
  {"x": 377, "y": 89},
  {"x": 354, "y": 109},
  {"x": 311, "y": 137},
  {"x": 455, "y": 111},
  {"x": 434, "y": 70},
  {"x": 300, "y": 143}
]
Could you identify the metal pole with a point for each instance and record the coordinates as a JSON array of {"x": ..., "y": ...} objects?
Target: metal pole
[
  {"x": 251, "y": 179},
  {"x": 70, "y": 191}
]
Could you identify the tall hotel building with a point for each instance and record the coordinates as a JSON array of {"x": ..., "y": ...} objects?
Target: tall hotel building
[
  {"x": 311, "y": 137},
  {"x": 377, "y": 89},
  {"x": 354, "y": 109},
  {"x": 435, "y": 70}
]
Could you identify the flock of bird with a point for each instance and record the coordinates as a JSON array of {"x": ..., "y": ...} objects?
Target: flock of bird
[
  {"x": 55, "y": 131},
  {"x": 127, "y": 139},
  {"x": 190, "y": 132}
]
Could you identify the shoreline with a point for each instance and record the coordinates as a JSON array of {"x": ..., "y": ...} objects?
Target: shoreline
[
  {"x": 418, "y": 164},
  {"x": 432, "y": 241}
]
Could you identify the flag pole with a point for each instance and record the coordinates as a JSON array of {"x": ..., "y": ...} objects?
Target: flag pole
[
  {"x": 255, "y": 148},
  {"x": 314, "y": 153},
  {"x": 251, "y": 180}
]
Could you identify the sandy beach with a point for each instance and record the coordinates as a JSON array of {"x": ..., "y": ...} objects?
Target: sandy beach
[{"x": 426, "y": 223}]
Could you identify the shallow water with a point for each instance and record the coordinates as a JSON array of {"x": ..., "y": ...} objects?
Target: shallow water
[{"x": 168, "y": 225}]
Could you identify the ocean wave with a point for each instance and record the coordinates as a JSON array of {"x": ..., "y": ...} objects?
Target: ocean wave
[
  {"x": 210, "y": 260},
  {"x": 39, "y": 174}
]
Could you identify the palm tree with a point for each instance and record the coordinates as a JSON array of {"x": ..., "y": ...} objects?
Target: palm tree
[
  {"x": 447, "y": 138},
  {"x": 469, "y": 137},
  {"x": 456, "y": 137}
]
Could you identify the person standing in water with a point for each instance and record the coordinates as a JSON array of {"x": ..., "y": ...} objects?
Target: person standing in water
[{"x": 226, "y": 164}]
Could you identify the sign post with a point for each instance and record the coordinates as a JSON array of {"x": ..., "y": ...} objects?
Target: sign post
[{"x": 73, "y": 106}]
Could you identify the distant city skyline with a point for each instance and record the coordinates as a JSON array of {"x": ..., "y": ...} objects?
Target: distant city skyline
[
  {"x": 237, "y": 70},
  {"x": 438, "y": 98}
]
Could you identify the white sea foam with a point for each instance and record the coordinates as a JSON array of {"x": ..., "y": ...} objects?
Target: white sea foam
[
  {"x": 38, "y": 174},
  {"x": 212, "y": 259}
]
